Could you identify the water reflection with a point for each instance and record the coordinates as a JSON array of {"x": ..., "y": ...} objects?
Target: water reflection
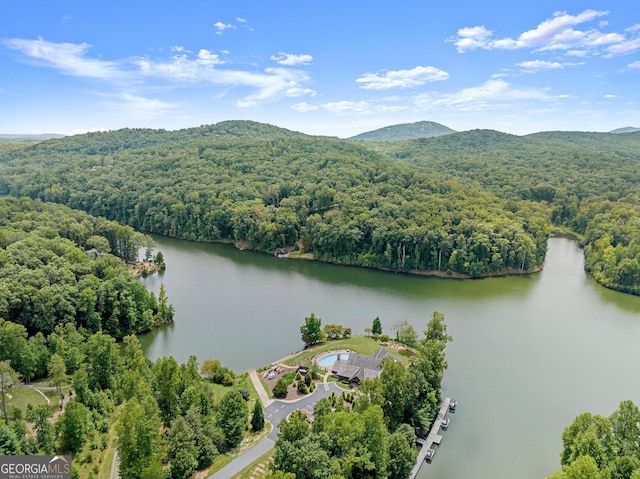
[{"x": 529, "y": 353}]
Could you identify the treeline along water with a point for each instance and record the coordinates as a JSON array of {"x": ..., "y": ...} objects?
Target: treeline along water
[{"x": 529, "y": 352}]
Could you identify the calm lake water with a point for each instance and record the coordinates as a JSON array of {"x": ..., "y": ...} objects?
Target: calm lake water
[{"x": 529, "y": 353}]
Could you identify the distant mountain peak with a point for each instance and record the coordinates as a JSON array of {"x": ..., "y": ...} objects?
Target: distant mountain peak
[
  {"x": 626, "y": 129},
  {"x": 28, "y": 137},
  {"x": 405, "y": 131}
]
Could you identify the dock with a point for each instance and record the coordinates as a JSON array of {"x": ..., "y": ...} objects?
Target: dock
[{"x": 433, "y": 438}]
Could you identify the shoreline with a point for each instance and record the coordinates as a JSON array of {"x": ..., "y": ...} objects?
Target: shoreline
[{"x": 243, "y": 246}]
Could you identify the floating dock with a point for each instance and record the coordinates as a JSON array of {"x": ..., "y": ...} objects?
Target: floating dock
[{"x": 433, "y": 438}]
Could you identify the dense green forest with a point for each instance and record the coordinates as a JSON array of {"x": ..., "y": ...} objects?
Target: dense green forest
[
  {"x": 47, "y": 279},
  {"x": 165, "y": 418},
  {"x": 598, "y": 447},
  {"x": 471, "y": 203},
  {"x": 589, "y": 182},
  {"x": 266, "y": 188}
]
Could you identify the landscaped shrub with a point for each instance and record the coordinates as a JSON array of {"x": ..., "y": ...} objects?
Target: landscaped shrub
[
  {"x": 244, "y": 392},
  {"x": 280, "y": 389}
]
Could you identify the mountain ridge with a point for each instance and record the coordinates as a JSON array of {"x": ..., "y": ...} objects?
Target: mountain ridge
[{"x": 405, "y": 131}]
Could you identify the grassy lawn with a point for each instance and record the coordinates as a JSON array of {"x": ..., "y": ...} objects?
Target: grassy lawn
[
  {"x": 257, "y": 470},
  {"x": 360, "y": 344},
  {"x": 105, "y": 466},
  {"x": 22, "y": 396},
  {"x": 248, "y": 442},
  {"x": 241, "y": 382}
]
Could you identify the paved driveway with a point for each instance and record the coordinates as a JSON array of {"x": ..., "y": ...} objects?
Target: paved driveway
[{"x": 274, "y": 413}]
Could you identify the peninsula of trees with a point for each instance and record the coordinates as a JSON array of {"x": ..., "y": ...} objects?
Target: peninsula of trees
[
  {"x": 464, "y": 204},
  {"x": 59, "y": 266}
]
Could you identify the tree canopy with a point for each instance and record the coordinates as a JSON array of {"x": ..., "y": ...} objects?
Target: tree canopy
[
  {"x": 51, "y": 274},
  {"x": 602, "y": 447}
]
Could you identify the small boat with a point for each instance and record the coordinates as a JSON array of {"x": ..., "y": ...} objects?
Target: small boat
[
  {"x": 452, "y": 405},
  {"x": 445, "y": 423},
  {"x": 430, "y": 453}
]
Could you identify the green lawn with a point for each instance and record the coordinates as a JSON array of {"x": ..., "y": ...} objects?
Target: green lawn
[
  {"x": 21, "y": 396},
  {"x": 243, "y": 381},
  {"x": 258, "y": 469},
  {"x": 360, "y": 344}
]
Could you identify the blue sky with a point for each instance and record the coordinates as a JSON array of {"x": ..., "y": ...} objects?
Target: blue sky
[{"x": 325, "y": 68}]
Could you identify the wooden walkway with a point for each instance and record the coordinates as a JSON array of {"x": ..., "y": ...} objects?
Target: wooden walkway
[{"x": 433, "y": 438}]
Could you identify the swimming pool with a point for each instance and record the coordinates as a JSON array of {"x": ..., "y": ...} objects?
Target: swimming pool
[{"x": 327, "y": 361}]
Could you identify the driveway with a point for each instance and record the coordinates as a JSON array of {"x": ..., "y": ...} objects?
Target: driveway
[{"x": 274, "y": 413}]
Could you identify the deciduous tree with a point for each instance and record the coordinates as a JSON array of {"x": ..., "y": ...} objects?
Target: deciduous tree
[
  {"x": 232, "y": 417},
  {"x": 311, "y": 331}
]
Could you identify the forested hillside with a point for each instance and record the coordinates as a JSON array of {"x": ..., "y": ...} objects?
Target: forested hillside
[
  {"x": 48, "y": 280},
  {"x": 590, "y": 181},
  {"x": 470, "y": 203},
  {"x": 265, "y": 188}
]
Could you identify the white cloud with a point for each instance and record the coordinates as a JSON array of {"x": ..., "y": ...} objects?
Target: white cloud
[
  {"x": 491, "y": 94},
  {"x": 402, "y": 78},
  {"x": 69, "y": 58},
  {"x": 344, "y": 107},
  {"x": 391, "y": 108},
  {"x": 270, "y": 84},
  {"x": 295, "y": 91},
  {"x": 634, "y": 65},
  {"x": 182, "y": 66},
  {"x": 557, "y": 33},
  {"x": 539, "y": 65},
  {"x": 470, "y": 38},
  {"x": 610, "y": 96},
  {"x": 624, "y": 48},
  {"x": 289, "y": 59},
  {"x": 140, "y": 107},
  {"x": 206, "y": 57},
  {"x": 221, "y": 27},
  {"x": 304, "y": 107},
  {"x": 335, "y": 107},
  {"x": 204, "y": 69},
  {"x": 347, "y": 106},
  {"x": 549, "y": 32}
]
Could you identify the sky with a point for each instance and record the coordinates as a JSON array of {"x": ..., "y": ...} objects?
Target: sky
[{"x": 335, "y": 68}]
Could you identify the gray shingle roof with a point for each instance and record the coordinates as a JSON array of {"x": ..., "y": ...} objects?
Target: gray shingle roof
[{"x": 359, "y": 367}]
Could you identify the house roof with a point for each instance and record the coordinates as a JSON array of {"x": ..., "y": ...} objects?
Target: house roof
[{"x": 360, "y": 367}]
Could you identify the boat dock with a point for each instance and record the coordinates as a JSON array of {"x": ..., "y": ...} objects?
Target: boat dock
[{"x": 433, "y": 438}]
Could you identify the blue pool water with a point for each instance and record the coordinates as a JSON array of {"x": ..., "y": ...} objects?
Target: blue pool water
[{"x": 332, "y": 358}]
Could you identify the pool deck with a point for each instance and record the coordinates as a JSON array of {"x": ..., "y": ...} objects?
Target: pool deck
[{"x": 322, "y": 356}]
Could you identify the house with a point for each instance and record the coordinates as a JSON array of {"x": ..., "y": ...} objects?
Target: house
[
  {"x": 359, "y": 367},
  {"x": 93, "y": 253}
]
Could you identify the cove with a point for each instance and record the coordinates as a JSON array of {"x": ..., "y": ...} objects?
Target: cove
[{"x": 529, "y": 352}]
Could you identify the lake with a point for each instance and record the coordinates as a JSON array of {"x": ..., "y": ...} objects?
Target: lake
[{"x": 529, "y": 352}]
